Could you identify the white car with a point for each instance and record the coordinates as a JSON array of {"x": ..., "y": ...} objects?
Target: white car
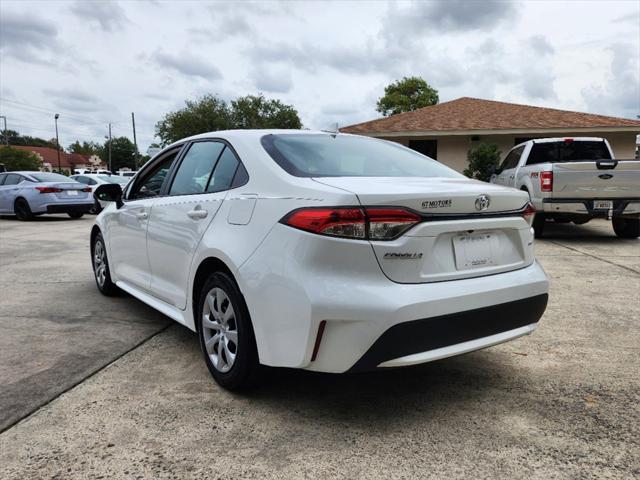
[
  {"x": 94, "y": 180},
  {"x": 325, "y": 252}
]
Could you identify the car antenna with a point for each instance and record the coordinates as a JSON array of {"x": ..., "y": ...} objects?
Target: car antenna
[{"x": 333, "y": 131}]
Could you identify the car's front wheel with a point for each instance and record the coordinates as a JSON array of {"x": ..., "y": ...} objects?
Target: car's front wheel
[
  {"x": 226, "y": 334},
  {"x": 626, "y": 227},
  {"x": 101, "y": 267}
]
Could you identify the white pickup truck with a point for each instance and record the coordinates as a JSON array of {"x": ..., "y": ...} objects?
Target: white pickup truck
[{"x": 575, "y": 180}]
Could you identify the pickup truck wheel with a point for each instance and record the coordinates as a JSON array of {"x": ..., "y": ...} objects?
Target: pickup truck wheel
[
  {"x": 538, "y": 224},
  {"x": 626, "y": 227}
]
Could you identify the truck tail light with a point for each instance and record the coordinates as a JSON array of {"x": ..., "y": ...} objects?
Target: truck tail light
[
  {"x": 353, "y": 222},
  {"x": 529, "y": 213},
  {"x": 48, "y": 189},
  {"x": 546, "y": 181}
]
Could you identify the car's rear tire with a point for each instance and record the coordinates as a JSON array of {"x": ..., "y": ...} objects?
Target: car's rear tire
[
  {"x": 22, "y": 209},
  {"x": 226, "y": 334},
  {"x": 100, "y": 264},
  {"x": 75, "y": 215},
  {"x": 626, "y": 227},
  {"x": 96, "y": 209},
  {"x": 538, "y": 225}
]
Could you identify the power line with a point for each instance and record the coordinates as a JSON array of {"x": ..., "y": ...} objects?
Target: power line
[{"x": 25, "y": 106}]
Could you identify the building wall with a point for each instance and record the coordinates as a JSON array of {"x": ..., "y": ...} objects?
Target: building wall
[{"x": 452, "y": 149}]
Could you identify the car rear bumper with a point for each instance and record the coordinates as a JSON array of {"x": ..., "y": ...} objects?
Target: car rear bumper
[
  {"x": 429, "y": 339},
  {"x": 69, "y": 208},
  {"x": 584, "y": 206}
]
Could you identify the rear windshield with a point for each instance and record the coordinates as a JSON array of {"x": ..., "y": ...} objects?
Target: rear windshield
[
  {"x": 568, "y": 152},
  {"x": 114, "y": 179},
  {"x": 50, "y": 177},
  {"x": 318, "y": 155}
]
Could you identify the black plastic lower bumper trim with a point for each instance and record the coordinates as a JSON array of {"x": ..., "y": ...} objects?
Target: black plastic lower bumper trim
[
  {"x": 74, "y": 208},
  {"x": 427, "y": 334}
]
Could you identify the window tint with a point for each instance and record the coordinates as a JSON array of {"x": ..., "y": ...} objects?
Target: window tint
[
  {"x": 241, "y": 177},
  {"x": 81, "y": 179},
  {"x": 573, "y": 151},
  {"x": 224, "y": 172},
  {"x": 2, "y": 179},
  {"x": 512, "y": 159},
  {"x": 13, "y": 179},
  {"x": 316, "y": 155},
  {"x": 195, "y": 169},
  {"x": 151, "y": 183}
]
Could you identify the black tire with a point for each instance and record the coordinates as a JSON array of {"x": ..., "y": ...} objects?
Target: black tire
[
  {"x": 22, "y": 210},
  {"x": 96, "y": 209},
  {"x": 244, "y": 369},
  {"x": 75, "y": 215},
  {"x": 538, "y": 225},
  {"x": 626, "y": 227},
  {"x": 103, "y": 278}
]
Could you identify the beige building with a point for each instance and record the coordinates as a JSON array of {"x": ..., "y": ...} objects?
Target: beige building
[{"x": 447, "y": 130}]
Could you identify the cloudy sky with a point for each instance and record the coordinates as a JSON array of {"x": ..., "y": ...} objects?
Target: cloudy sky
[{"x": 96, "y": 62}]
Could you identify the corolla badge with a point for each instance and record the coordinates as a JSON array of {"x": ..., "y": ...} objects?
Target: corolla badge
[{"x": 482, "y": 202}]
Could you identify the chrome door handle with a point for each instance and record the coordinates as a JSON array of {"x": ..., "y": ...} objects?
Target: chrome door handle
[
  {"x": 142, "y": 215},
  {"x": 197, "y": 214}
]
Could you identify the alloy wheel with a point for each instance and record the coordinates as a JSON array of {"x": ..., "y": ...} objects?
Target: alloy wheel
[
  {"x": 220, "y": 330},
  {"x": 99, "y": 263}
]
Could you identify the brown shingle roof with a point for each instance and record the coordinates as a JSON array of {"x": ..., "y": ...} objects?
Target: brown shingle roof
[
  {"x": 49, "y": 155},
  {"x": 476, "y": 114}
]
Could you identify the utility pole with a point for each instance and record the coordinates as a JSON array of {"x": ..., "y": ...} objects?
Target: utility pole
[
  {"x": 110, "y": 147},
  {"x": 55, "y": 117},
  {"x": 135, "y": 142},
  {"x": 6, "y": 134}
]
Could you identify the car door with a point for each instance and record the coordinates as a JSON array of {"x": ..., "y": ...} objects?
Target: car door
[
  {"x": 3, "y": 203},
  {"x": 8, "y": 191},
  {"x": 178, "y": 221},
  {"x": 127, "y": 226}
]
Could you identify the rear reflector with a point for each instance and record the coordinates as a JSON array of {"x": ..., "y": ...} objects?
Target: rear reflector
[
  {"x": 316, "y": 346},
  {"x": 48, "y": 189},
  {"x": 546, "y": 181},
  {"x": 529, "y": 213},
  {"x": 357, "y": 223}
]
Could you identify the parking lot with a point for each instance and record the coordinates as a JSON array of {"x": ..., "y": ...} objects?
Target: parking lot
[{"x": 97, "y": 387}]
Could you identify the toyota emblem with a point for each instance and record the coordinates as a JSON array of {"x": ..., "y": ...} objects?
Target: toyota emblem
[{"x": 482, "y": 202}]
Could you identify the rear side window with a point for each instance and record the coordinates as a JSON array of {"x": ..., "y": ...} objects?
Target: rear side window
[
  {"x": 13, "y": 179},
  {"x": 575, "y": 151},
  {"x": 319, "y": 155},
  {"x": 2, "y": 179},
  {"x": 195, "y": 169},
  {"x": 224, "y": 172}
]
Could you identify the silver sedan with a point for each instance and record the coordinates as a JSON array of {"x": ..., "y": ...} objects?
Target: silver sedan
[{"x": 27, "y": 194}]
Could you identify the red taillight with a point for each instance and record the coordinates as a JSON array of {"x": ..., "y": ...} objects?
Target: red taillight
[
  {"x": 358, "y": 223},
  {"x": 546, "y": 181},
  {"x": 48, "y": 189},
  {"x": 529, "y": 213},
  {"x": 86, "y": 189}
]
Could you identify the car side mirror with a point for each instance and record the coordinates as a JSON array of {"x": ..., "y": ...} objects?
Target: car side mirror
[{"x": 109, "y": 192}]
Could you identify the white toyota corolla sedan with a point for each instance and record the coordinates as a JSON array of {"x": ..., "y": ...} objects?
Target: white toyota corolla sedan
[{"x": 326, "y": 252}]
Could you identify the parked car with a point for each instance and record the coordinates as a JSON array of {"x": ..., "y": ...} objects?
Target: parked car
[
  {"x": 93, "y": 180},
  {"x": 326, "y": 252},
  {"x": 575, "y": 180},
  {"x": 27, "y": 194},
  {"x": 127, "y": 173}
]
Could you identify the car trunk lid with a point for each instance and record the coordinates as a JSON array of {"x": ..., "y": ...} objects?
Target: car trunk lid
[{"x": 468, "y": 228}]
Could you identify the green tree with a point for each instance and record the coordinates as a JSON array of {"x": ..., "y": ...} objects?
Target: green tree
[
  {"x": 210, "y": 113},
  {"x": 255, "y": 111},
  {"x": 15, "y": 159},
  {"x": 483, "y": 159},
  {"x": 25, "y": 140},
  {"x": 207, "y": 114},
  {"x": 122, "y": 153},
  {"x": 406, "y": 95},
  {"x": 85, "y": 148}
]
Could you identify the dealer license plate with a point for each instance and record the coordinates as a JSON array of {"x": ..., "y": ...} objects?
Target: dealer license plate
[
  {"x": 72, "y": 192},
  {"x": 473, "y": 251},
  {"x": 602, "y": 204}
]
